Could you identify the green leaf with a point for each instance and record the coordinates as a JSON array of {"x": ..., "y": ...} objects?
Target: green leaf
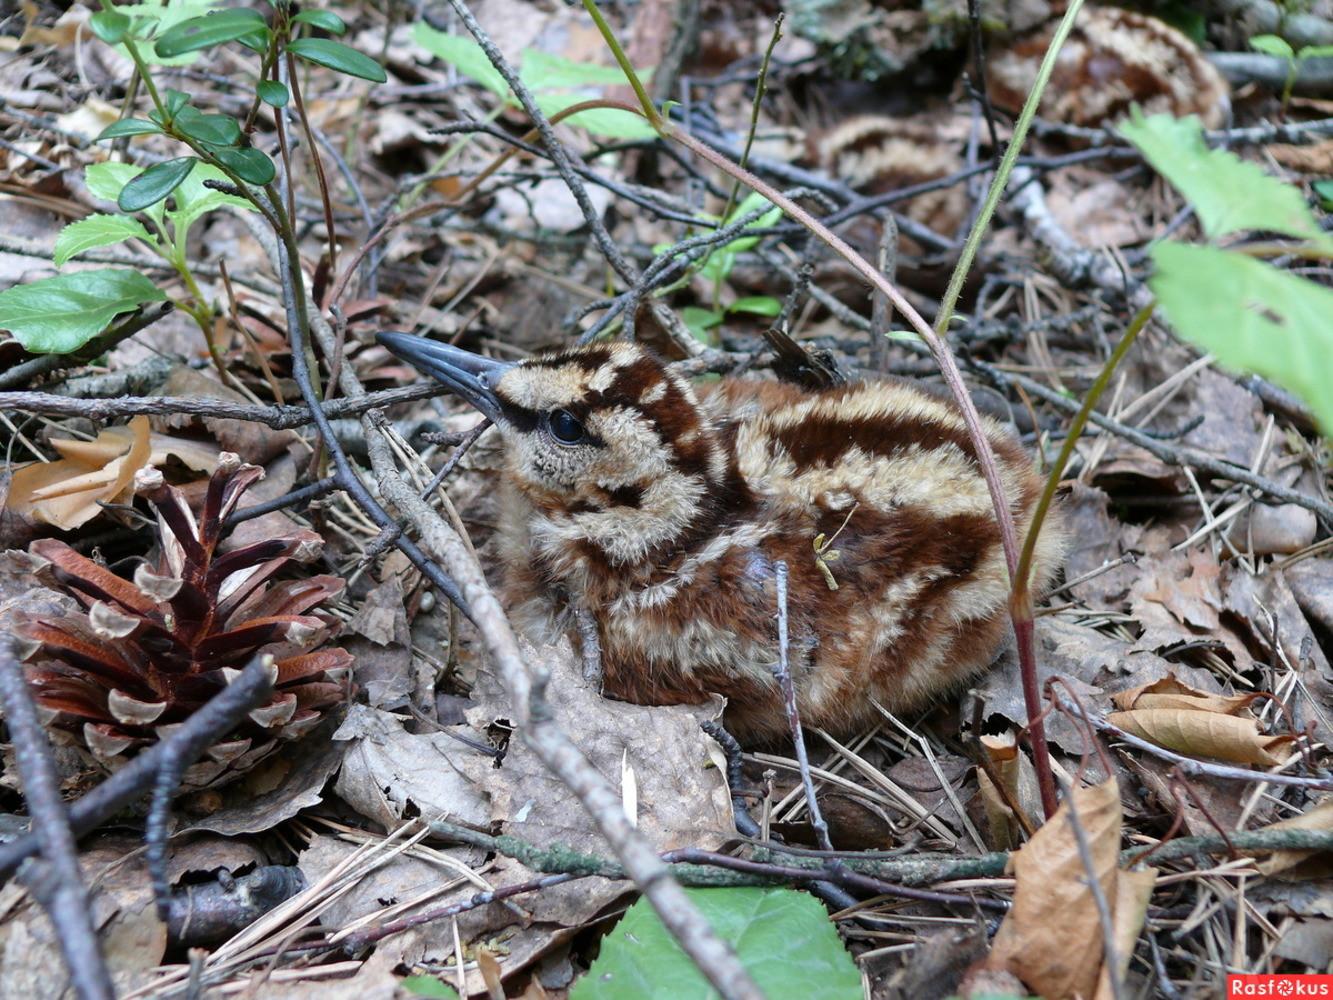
[
  {"x": 211, "y": 29},
  {"x": 157, "y": 17},
  {"x": 107, "y": 180},
  {"x": 174, "y": 101},
  {"x": 110, "y": 26},
  {"x": 250, "y": 164},
  {"x": 1229, "y": 194},
  {"x": 600, "y": 121},
  {"x": 463, "y": 54},
  {"x": 428, "y": 986},
  {"x": 1272, "y": 45},
  {"x": 325, "y": 20},
  {"x": 1314, "y": 52},
  {"x": 1324, "y": 192},
  {"x": 337, "y": 56},
  {"x": 274, "y": 93},
  {"x": 193, "y": 200},
  {"x": 211, "y": 130},
  {"x": 784, "y": 939},
  {"x": 61, "y": 314},
  {"x": 699, "y": 321},
  {"x": 154, "y": 184},
  {"x": 759, "y": 305},
  {"x": 1253, "y": 316},
  {"x": 546, "y": 71},
  {"x": 128, "y": 126},
  {"x": 97, "y": 231}
]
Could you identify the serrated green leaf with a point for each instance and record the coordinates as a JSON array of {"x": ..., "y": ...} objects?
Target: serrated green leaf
[
  {"x": 250, "y": 164},
  {"x": 110, "y": 26},
  {"x": 1229, "y": 194},
  {"x": 212, "y": 29},
  {"x": 758, "y": 305},
  {"x": 193, "y": 200},
  {"x": 1272, "y": 45},
  {"x": 463, "y": 54},
  {"x": 129, "y": 126},
  {"x": 1252, "y": 316},
  {"x": 784, "y": 939},
  {"x": 325, "y": 20},
  {"x": 428, "y": 986},
  {"x": 337, "y": 56},
  {"x": 98, "y": 230},
  {"x": 274, "y": 93},
  {"x": 61, "y": 314},
  {"x": 154, "y": 184}
]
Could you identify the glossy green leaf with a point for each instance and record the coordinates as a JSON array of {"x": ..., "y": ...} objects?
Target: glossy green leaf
[
  {"x": 758, "y": 305},
  {"x": 337, "y": 56},
  {"x": 1229, "y": 194},
  {"x": 129, "y": 126},
  {"x": 250, "y": 164},
  {"x": 274, "y": 93},
  {"x": 211, "y": 29},
  {"x": 325, "y": 20},
  {"x": 174, "y": 101},
  {"x": 211, "y": 130},
  {"x": 107, "y": 180},
  {"x": 154, "y": 184},
  {"x": 61, "y": 314},
  {"x": 110, "y": 26},
  {"x": 784, "y": 938},
  {"x": 98, "y": 230},
  {"x": 463, "y": 54},
  {"x": 155, "y": 17},
  {"x": 1252, "y": 316}
]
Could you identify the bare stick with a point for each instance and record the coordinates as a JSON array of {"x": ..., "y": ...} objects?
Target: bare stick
[{"x": 58, "y": 884}]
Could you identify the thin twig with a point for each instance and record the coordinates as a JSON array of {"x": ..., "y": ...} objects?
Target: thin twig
[
  {"x": 58, "y": 883},
  {"x": 1110, "y": 956}
]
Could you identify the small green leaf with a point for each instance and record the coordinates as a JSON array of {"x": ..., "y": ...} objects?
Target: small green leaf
[
  {"x": 154, "y": 184},
  {"x": 337, "y": 56},
  {"x": 110, "y": 26},
  {"x": 1229, "y": 194},
  {"x": 325, "y": 20},
  {"x": 463, "y": 54},
  {"x": 611, "y": 122},
  {"x": 61, "y": 314},
  {"x": 174, "y": 101},
  {"x": 700, "y": 321},
  {"x": 1314, "y": 52},
  {"x": 97, "y": 231},
  {"x": 784, "y": 938},
  {"x": 194, "y": 199},
  {"x": 211, "y": 130},
  {"x": 250, "y": 164},
  {"x": 1324, "y": 192},
  {"x": 128, "y": 126},
  {"x": 274, "y": 93},
  {"x": 428, "y": 986},
  {"x": 211, "y": 29},
  {"x": 1272, "y": 45},
  {"x": 1253, "y": 316},
  {"x": 107, "y": 180},
  {"x": 759, "y": 305}
]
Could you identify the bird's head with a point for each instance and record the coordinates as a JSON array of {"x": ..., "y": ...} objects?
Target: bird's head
[{"x": 603, "y": 438}]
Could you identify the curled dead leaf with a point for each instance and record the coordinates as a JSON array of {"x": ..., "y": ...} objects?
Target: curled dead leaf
[
  {"x": 1318, "y": 818},
  {"x": 1206, "y": 734},
  {"x": 1168, "y": 692}
]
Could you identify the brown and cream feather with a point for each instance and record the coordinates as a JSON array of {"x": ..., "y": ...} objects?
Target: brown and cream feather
[{"x": 662, "y": 509}]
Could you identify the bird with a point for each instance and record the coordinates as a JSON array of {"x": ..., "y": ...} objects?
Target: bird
[{"x": 662, "y": 509}]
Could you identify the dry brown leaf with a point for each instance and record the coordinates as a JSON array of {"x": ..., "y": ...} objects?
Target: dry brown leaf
[
  {"x": 66, "y": 493},
  {"x": 1008, "y": 766},
  {"x": 1168, "y": 692},
  {"x": 1318, "y": 818},
  {"x": 1133, "y": 891},
  {"x": 1206, "y": 734},
  {"x": 1052, "y": 937}
]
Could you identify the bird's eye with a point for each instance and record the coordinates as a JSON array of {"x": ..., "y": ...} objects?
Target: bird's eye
[{"x": 565, "y": 427}]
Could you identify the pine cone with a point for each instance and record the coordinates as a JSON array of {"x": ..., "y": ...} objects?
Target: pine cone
[{"x": 144, "y": 655}]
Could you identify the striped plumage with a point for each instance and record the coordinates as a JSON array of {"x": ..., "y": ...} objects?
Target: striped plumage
[{"x": 662, "y": 508}]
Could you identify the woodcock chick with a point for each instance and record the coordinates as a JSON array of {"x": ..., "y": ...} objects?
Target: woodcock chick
[{"x": 662, "y": 508}]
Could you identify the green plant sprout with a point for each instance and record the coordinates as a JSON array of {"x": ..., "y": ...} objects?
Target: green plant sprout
[{"x": 1275, "y": 45}]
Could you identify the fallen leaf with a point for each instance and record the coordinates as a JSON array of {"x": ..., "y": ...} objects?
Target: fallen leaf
[
  {"x": 1169, "y": 692},
  {"x": 1052, "y": 937},
  {"x": 1318, "y": 818},
  {"x": 1129, "y": 909},
  {"x": 1206, "y": 734}
]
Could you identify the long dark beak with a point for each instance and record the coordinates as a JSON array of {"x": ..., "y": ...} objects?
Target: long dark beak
[{"x": 469, "y": 375}]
